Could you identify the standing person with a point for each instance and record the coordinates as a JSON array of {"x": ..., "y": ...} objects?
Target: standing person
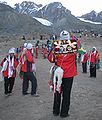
[
  {"x": 41, "y": 37},
  {"x": 44, "y": 51},
  {"x": 9, "y": 64},
  {"x": 23, "y": 37},
  {"x": 93, "y": 60},
  {"x": 98, "y": 61},
  {"x": 68, "y": 63},
  {"x": 84, "y": 60},
  {"x": 27, "y": 63}
]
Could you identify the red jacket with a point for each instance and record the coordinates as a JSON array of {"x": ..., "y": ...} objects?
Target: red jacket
[
  {"x": 36, "y": 50},
  {"x": 85, "y": 58},
  {"x": 66, "y": 62},
  {"x": 27, "y": 57},
  {"x": 5, "y": 73},
  {"x": 44, "y": 51},
  {"x": 93, "y": 57}
]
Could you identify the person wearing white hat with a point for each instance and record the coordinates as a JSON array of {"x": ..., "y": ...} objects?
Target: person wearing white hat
[
  {"x": 93, "y": 59},
  {"x": 27, "y": 63},
  {"x": 64, "y": 35},
  {"x": 12, "y": 50},
  {"x": 67, "y": 62},
  {"x": 29, "y": 46},
  {"x": 9, "y": 64},
  {"x": 25, "y": 45}
]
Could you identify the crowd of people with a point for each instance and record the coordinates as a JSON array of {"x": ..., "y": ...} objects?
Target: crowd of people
[{"x": 22, "y": 60}]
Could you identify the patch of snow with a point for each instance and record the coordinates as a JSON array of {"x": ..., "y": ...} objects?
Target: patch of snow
[
  {"x": 43, "y": 21},
  {"x": 96, "y": 14},
  {"x": 46, "y": 7},
  {"x": 24, "y": 4},
  {"x": 40, "y": 8},
  {"x": 20, "y": 8},
  {"x": 59, "y": 6},
  {"x": 82, "y": 19}
]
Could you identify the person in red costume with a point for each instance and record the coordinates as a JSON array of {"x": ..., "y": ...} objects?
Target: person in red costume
[
  {"x": 44, "y": 51},
  {"x": 68, "y": 63},
  {"x": 84, "y": 60},
  {"x": 93, "y": 59},
  {"x": 27, "y": 63},
  {"x": 9, "y": 64}
]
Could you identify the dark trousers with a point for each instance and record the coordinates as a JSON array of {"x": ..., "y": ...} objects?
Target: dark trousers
[
  {"x": 29, "y": 76},
  {"x": 8, "y": 84},
  {"x": 84, "y": 67},
  {"x": 66, "y": 91},
  {"x": 92, "y": 70}
]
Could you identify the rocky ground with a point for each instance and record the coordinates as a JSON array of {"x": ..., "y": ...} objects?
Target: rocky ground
[{"x": 86, "y": 97}]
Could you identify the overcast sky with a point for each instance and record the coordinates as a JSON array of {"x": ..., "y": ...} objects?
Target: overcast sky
[{"x": 77, "y": 7}]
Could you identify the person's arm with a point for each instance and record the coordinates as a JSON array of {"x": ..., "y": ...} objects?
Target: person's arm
[
  {"x": 16, "y": 62},
  {"x": 97, "y": 56},
  {"x": 29, "y": 56},
  {"x": 51, "y": 57},
  {"x": 3, "y": 61}
]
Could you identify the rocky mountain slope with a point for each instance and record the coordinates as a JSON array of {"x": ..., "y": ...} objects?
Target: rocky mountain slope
[
  {"x": 93, "y": 16},
  {"x": 57, "y": 14},
  {"x": 23, "y": 18},
  {"x": 13, "y": 22}
]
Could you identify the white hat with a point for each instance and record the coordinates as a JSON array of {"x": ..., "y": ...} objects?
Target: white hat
[
  {"x": 94, "y": 47},
  {"x": 12, "y": 50},
  {"x": 25, "y": 45},
  {"x": 64, "y": 35},
  {"x": 85, "y": 51},
  {"x": 29, "y": 46}
]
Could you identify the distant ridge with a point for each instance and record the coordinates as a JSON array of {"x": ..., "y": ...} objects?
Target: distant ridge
[
  {"x": 60, "y": 17},
  {"x": 93, "y": 16},
  {"x": 21, "y": 19}
]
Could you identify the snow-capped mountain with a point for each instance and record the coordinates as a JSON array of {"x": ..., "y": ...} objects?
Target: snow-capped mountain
[
  {"x": 29, "y": 8},
  {"x": 93, "y": 16},
  {"x": 28, "y": 16},
  {"x": 51, "y": 12},
  {"x": 54, "y": 13},
  {"x": 12, "y": 22}
]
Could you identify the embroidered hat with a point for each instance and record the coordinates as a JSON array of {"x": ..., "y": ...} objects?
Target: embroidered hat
[
  {"x": 64, "y": 35},
  {"x": 29, "y": 46}
]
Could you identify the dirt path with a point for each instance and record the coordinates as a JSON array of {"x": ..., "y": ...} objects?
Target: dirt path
[{"x": 86, "y": 98}]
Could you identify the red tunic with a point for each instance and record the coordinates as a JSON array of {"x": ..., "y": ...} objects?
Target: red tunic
[
  {"x": 44, "y": 52},
  {"x": 29, "y": 57},
  {"x": 85, "y": 58},
  {"x": 93, "y": 57},
  {"x": 5, "y": 73},
  {"x": 66, "y": 62},
  {"x": 36, "y": 51}
]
